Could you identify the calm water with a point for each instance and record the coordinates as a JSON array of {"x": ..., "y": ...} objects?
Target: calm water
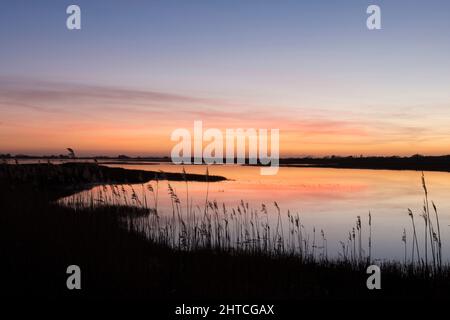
[{"x": 328, "y": 199}]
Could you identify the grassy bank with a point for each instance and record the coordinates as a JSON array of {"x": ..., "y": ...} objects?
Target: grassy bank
[{"x": 39, "y": 239}]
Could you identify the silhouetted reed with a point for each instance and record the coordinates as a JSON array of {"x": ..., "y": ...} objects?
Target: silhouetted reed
[{"x": 245, "y": 230}]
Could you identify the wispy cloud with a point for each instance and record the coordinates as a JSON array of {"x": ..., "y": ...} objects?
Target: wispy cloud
[{"x": 117, "y": 118}]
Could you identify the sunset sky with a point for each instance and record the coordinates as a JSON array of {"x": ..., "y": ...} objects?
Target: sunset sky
[{"x": 137, "y": 70}]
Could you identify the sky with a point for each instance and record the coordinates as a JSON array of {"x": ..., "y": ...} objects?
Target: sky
[{"x": 138, "y": 70}]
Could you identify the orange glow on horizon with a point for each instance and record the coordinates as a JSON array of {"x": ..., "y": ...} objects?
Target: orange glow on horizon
[{"x": 110, "y": 121}]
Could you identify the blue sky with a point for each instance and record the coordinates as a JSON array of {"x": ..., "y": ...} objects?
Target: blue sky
[{"x": 313, "y": 59}]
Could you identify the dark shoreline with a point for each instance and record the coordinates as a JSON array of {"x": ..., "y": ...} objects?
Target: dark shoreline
[
  {"x": 83, "y": 172},
  {"x": 60, "y": 180},
  {"x": 414, "y": 163},
  {"x": 419, "y": 169}
]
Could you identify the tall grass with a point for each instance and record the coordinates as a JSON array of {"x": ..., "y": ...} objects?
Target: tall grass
[
  {"x": 242, "y": 229},
  {"x": 432, "y": 236}
]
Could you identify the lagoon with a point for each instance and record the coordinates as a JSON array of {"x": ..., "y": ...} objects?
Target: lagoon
[{"x": 324, "y": 198}]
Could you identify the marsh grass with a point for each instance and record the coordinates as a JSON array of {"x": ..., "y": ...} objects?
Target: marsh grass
[
  {"x": 249, "y": 231},
  {"x": 206, "y": 251}
]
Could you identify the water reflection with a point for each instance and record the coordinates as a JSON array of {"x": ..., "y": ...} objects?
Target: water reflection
[{"x": 325, "y": 199}]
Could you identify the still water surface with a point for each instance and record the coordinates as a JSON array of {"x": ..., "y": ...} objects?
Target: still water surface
[{"x": 325, "y": 199}]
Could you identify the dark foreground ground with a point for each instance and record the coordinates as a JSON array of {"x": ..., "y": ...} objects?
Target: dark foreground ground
[{"x": 39, "y": 239}]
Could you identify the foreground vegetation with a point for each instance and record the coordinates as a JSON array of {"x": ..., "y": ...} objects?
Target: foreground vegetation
[{"x": 131, "y": 250}]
